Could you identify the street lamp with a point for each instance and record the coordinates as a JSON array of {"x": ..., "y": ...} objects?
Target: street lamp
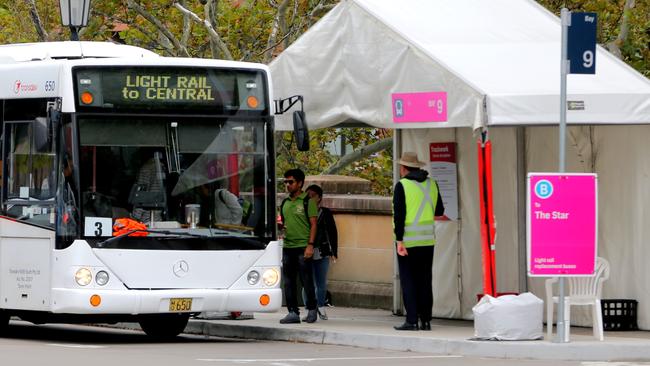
[{"x": 74, "y": 14}]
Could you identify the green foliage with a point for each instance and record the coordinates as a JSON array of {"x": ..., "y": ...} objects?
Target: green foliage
[
  {"x": 378, "y": 168},
  {"x": 15, "y": 29},
  {"x": 635, "y": 48},
  {"x": 245, "y": 26}
]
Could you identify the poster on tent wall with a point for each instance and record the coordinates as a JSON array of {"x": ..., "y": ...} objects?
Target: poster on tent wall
[
  {"x": 562, "y": 224},
  {"x": 442, "y": 157}
]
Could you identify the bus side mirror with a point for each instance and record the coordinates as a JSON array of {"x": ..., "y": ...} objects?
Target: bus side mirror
[{"x": 300, "y": 131}]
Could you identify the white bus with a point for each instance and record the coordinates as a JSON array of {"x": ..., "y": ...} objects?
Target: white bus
[{"x": 134, "y": 187}]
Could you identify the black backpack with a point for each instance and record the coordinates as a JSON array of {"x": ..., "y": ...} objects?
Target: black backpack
[{"x": 305, "y": 203}]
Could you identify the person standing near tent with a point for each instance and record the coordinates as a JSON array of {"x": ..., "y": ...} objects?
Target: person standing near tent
[
  {"x": 416, "y": 201},
  {"x": 325, "y": 248},
  {"x": 299, "y": 217}
]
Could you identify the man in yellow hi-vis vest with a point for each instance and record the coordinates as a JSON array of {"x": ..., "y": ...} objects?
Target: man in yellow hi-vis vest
[{"x": 416, "y": 201}]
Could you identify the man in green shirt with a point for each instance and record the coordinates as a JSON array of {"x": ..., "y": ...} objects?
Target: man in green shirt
[{"x": 298, "y": 247}]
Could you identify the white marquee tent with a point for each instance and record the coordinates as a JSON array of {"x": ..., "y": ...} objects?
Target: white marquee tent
[{"x": 499, "y": 63}]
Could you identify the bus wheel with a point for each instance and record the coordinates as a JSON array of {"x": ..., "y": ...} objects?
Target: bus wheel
[
  {"x": 4, "y": 322},
  {"x": 163, "y": 326}
]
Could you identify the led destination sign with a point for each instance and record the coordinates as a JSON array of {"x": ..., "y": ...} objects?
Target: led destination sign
[
  {"x": 171, "y": 88},
  {"x": 166, "y": 87}
]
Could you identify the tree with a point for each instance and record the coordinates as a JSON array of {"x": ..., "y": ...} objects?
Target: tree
[
  {"x": 371, "y": 156},
  {"x": 257, "y": 30}
]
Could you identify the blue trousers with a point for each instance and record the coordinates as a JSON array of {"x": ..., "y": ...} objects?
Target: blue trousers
[{"x": 321, "y": 266}]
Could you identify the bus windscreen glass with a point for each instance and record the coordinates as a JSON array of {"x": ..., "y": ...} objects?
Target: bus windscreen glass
[{"x": 210, "y": 90}]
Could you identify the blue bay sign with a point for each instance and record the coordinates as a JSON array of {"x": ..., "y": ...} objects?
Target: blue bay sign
[{"x": 582, "y": 43}]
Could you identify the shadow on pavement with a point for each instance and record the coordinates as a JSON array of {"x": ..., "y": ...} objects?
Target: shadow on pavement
[{"x": 85, "y": 334}]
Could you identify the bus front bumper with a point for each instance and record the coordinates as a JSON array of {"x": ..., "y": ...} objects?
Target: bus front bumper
[{"x": 80, "y": 301}]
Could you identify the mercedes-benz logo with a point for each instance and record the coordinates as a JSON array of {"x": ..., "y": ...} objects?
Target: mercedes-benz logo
[{"x": 181, "y": 268}]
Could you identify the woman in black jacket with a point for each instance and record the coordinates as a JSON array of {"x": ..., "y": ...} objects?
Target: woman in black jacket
[{"x": 325, "y": 247}]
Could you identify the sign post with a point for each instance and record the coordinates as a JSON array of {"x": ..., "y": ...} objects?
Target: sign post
[{"x": 578, "y": 56}]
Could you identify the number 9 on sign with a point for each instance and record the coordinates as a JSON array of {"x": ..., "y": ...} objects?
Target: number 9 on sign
[{"x": 588, "y": 59}]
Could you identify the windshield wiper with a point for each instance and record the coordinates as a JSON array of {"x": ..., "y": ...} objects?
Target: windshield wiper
[{"x": 165, "y": 232}]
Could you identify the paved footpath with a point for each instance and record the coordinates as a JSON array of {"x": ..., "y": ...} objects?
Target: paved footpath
[{"x": 374, "y": 329}]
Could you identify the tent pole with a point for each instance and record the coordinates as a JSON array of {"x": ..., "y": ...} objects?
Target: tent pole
[
  {"x": 491, "y": 225},
  {"x": 486, "y": 214},
  {"x": 398, "y": 305},
  {"x": 521, "y": 207}
]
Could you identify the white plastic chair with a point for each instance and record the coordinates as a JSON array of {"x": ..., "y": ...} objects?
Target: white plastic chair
[{"x": 582, "y": 291}]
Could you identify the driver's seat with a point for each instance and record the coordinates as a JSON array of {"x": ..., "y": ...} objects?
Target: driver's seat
[{"x": 148, "y": 194}]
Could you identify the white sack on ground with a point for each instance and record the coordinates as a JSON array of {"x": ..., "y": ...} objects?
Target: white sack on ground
[{"x": 509, "y": 317}]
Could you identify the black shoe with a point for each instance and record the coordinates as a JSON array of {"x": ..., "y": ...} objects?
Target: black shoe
[
  {"x": 425, "y": 325},
  {"x": 312, "y": 316},
  {"x": 406, "y": 326},
  {"x": 291, "y": 318}
]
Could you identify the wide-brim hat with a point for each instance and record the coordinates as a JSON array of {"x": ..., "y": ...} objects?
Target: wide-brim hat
[{"x": 410, "y": 159}]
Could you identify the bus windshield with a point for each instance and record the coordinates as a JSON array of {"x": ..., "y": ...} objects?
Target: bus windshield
[{"x": 204, "y": 176}]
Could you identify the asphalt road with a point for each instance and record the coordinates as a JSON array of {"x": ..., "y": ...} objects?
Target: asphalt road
[{"x": 27, "y": 345}]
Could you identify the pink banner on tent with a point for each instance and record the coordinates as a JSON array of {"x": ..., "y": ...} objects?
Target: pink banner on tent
[
  {"x": 562, "y": 224},
  {"x": 419, "y": 107}
]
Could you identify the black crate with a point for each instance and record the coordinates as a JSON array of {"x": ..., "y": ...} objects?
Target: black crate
[{"x": 619, "y": 314}]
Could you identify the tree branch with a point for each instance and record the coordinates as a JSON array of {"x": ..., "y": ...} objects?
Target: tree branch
[
  {"x": 187, "y": 27},
  {"x": 210, "y": 10},
  {"x": 318, "y": 8},
  {"x": 273, "y": 46},
  {"x": 359, "y": 154},
  {"x": 161, "y": 27},
  {"x": 213, "y": 34},
  {"x": 38, "y": 24},
  {"x": 293, "y": 18},
  {"x": 285, "y": 146},
  {"x": 279, "y": 23},
  {"x": 307, "y": 19},
  {"x": 155, "y": 44},
  {"x": 615, "y": 46}
]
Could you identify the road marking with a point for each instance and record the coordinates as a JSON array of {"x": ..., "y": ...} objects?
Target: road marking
[
  {"x": 75, "y": 345},
  {"x": 594, "y": 363},
  {"x": 278, "y": 360}
]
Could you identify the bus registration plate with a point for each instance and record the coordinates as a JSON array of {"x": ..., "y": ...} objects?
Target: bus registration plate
[{"x": 180, "y": 304}]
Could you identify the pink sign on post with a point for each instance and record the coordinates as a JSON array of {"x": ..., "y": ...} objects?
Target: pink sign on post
[
  {"x": 419, "y": 107},
  {"x": 562, "y": 220}
]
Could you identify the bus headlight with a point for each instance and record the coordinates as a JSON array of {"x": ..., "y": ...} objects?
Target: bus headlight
[
  {"x": 253, "y": 277},
  {"x": 271, "y": 277},
  {"x": 83, "y": 276},
  {"x": 101, "y": 278}
]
